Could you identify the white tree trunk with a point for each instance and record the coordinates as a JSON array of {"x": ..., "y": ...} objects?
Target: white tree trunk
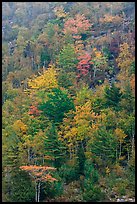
[
  {"x": 38, "y": 191},
  {"x": 128, "y": 157},
  {"x": 28, "y": 155},
  {"x": 132, "y": 143},
  {"x": 116, "y": 155},
  {"x": 94, "y": 72},
  {"x": 120, "y": 149}
]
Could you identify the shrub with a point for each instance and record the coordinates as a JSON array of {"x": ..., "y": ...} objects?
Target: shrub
[{"x": 94, "y": 194}]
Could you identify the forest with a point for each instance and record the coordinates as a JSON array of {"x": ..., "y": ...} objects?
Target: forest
[{"x": 68, "y": 101}]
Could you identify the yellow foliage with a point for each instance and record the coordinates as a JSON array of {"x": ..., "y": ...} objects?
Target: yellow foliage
[
  {"x": 118, "y": 170},
  {"x": 120, "y": 134},
  {"x": 46, "y": 81},
  {"x": 98, "y": 54},
  {"x": 125, "y": 59},
  {"x": 60, "y": 13},
  {"x": 109, "y": 19},
  {"x": 122, "y": 158},
  {"x": 19, "y": 126},
  {"x": 107, "y": 170},
  {"x": 88, "y": 155}
]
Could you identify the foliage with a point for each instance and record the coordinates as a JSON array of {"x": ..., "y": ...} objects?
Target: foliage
[
  {"x": 68, "y": 173},
  {"x": 58, "y": 104},
  {"x": 103, "y": 147},
  {"x": 77, "y": 25},
  {"x": 21, "y": 189},
  {"x": 68, "y": 101},
  {"x": 67, "y": 58},
  {"x": 84, "y": 63},
  {"x": 46, "y": 81},
  {"x": 112, "y": 97}
]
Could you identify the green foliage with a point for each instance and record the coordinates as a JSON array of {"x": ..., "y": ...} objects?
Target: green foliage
[
  {"x": 58, "y": 104},
  {"x": 67, "y": 58},
  {"x": 44, "y": 58},
  {"x": 91, "y": 188},
  {"x": 66, "y": 80},
  {"x": 104, "y": 147},
  {"x": 128, "y": 102},
  {"x": 58, "y": 108},
  {"x": 51, "y": 190},
  {"x": 132, "y": 69},
  {"x": 53, "y": 147},
  {"x": 19, "y": 188},
  {"x": 94, "y": 194},
  {"x": 81, "y": 159},
  {"x": 112, "y": 97},
  {"x": 84, "y": 94},
  {"x": 68, "y": 173}
]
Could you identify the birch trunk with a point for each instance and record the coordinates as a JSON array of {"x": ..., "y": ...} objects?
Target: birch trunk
[
  {"x": 94, "y": 74},
  {"x": 38, "y": 191},
  {"x": 128, "y": 155},
  {"x": 28, "y": 155},
  {"x": 132, "y": 143},
  {"x": 116, "y": 155},
  {"x": 120, "y": 149}
]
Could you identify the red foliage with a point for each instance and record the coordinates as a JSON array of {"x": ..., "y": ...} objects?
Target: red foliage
[
  {"x": 34, "y": 111},
  {"x": 76, "y": 25},
  {"x": 84, "y": 64}
]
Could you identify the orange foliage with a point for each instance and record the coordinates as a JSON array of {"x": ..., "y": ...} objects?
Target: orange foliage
[
  {"x": 34, "y": 111},
  {"x": 39, "y": 172}
]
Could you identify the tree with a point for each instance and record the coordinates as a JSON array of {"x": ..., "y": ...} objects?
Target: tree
[
  {"x": 67, "y": 58},
  {"x": 18, "y": 187},
  {"x": 112, "y": 97},
  {"x": 45, "y": 81},
  {"x": 57, "y": 105},
  {"x": 77, "y": 25},
  {"x": 39, "y": 174},
  {"x": 99, "y": 62},
  {"x": 120, "y": 136},
  {"x": 53, "y": 148},
  {"x": 125, "y": 60},
  {"x": 78, "y": 127},
  {"x": 103, "y": 147},
  {"x": 84, "y": 64}
]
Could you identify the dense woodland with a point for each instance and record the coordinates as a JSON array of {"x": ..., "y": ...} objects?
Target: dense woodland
[{"x": 68, "y": 101}]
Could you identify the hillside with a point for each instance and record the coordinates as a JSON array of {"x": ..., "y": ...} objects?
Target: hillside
[{"x": 68, "y": 101}]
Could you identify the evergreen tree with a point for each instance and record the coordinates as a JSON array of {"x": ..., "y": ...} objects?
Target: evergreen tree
[
  {"x": 103, "y": 147},
  {"x": 57, "y": 105},
  {"x": 112, "y": 97},
  {"x": 18, "y": 187},
  {"x": 54, "y": 150}
]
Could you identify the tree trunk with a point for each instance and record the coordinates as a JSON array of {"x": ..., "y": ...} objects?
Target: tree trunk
[
  {"x": 128, "y": 154},
  {"x": 28, "y": 155},
  {"x": 43, "y": 160},
  {"x": 120, "y": 149},
  {"x": 116, "y": 155},
  {"x": 38, "y": 191},
  {"x": 94, "y": 72},
  {"x": 132, "y": 143}
]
